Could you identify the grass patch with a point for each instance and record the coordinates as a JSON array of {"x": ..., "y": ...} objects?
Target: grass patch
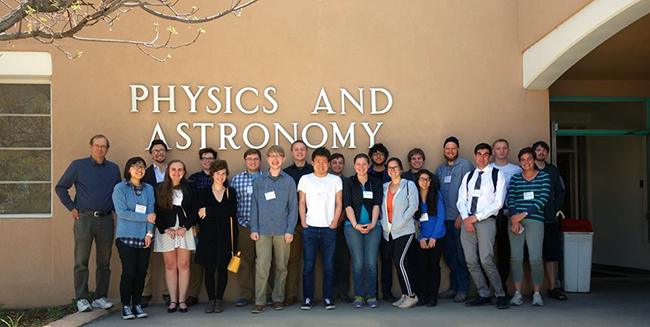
[{"x": 34, "y": 316}]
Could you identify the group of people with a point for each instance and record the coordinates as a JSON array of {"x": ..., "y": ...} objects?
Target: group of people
[{"x": 274, "y": 218}]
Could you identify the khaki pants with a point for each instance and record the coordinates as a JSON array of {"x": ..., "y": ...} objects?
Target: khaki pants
[
  {"x": 148, "y": 284},
  {"x": 247, "y": 268},
  {"x": 293, "y": 267},
  {"x": 270, "y": 248}
]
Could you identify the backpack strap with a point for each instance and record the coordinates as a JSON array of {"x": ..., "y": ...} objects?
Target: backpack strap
[{"x": 495, "y": 179}]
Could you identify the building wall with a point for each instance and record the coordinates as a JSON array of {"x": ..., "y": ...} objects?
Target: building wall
[
  {"x": 539, "y": 17},
  {"x": 452, "y": 67}
]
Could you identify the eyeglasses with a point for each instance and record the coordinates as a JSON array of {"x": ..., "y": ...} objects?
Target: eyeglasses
[
  {"x": 252, "y": 159},
  {"x": 207, "y": 159},
  {"x": 158, "y": 151},
  {"x": 378, "y": 154},
  {"x": 138, "y": 167},
  {"x": 275, "y": 156},
  {"x": 424, "y": 180},
  {"x": 393, "y": 168}
]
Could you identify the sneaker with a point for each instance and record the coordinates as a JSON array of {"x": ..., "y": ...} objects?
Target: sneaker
[
  {"x": 409, "y": 302},
  {"x": 537, "y": 299},
  {"x": 517, "y": 299},
  {"x": 102, "y": 303},
  {"x": 398, "y": 302},
  {"x": 306, "y": 305},
  {"x": 460, "y": 297},
  {"x": 448, "y": 294},
  {"x": 373, "y": 303},
  {"x": 358, "y": 302},
  {"x": 269, "y": 301},
  {"x": 258, "y": 309},
  {"x": 502, "y": 302},
  {"x": 127, "y": 313},
  {"x": 329, "y": 305},
  {"x": 139, "y": 313},
  {"x": 83, "y": 305},
  {"x": 209, "y": 308},
  {"x": 557, "y": 294},
  {"x": 242, "y": 302}
]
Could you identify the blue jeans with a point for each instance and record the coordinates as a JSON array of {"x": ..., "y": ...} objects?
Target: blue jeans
[
  {"x": 455, "y": 258},
  {"x": 312, "y": 237},
  {"x": 363, "y": 251}
]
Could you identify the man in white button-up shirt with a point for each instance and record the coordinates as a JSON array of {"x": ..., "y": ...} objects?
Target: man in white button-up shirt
[{"x": 480, "y": 197}]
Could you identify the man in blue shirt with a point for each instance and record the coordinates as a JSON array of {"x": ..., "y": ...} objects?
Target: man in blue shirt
[
  {"x": 451, "y": 175},
  {"x": 273, "y": 219},
  {"x": 243, "y": 184},
  {"x": 92, "y": 210}
]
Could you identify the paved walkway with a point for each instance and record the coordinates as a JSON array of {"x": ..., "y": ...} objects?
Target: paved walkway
[{"x": 611, "y": 303}]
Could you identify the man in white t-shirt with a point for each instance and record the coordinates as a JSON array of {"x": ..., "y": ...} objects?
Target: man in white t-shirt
[
  {"x": 320, "y": 201},
  {"x": 501, "y": 151}
]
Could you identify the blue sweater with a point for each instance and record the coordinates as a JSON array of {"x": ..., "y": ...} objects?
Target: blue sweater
[
  {"x": 130, "y": 223},
  {"x": 93, "y": 184},
  {"x": 435, "y": 227}
]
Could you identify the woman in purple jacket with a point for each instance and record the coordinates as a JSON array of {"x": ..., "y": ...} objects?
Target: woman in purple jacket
[{"x": 431, "y": 219}]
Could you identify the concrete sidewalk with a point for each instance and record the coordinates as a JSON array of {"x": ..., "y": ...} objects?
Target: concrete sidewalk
[{"x": 611, "y": 303}]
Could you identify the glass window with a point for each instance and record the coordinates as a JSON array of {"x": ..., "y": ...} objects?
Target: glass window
[{"x": 25, "y": 150}]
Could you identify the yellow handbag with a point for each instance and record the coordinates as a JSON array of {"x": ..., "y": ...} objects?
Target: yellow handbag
[{"x": 235, "y": 260}]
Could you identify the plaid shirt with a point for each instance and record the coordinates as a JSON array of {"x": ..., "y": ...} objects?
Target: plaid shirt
[
  {"x": 202, "y": 180},
  {"x": 131, "y": 242},
  {"x": 243, "y": 184}
]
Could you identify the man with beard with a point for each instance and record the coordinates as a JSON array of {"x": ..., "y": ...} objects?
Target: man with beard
[
  {"x": 552, "y": 248},
  {"x": 451, "y": 175},
  {"x": 153, "y": 175}
]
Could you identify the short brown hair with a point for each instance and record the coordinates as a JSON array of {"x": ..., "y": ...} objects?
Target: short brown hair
[
  {"x": 501, "y": 140},
  {"x": 414, "y": 152},
  {"x": 250, "y": 152},
  {"x": 100, "y": 136},
  {"x": 275, "y": 149},
  {"x": 217, "y": 165}
]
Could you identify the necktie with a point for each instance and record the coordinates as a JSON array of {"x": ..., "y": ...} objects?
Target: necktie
[{"x": 477, "y": 186}]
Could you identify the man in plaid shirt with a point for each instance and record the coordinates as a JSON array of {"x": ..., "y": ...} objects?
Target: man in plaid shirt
[{"x": 243, "y": 184}]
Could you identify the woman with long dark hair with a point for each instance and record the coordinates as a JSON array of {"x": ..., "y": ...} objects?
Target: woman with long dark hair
[
  {"x": 431, "y": 217},
  {"x": 400, "y": 202},
  {"x": 218, "y": 208},
  {"x": 176, "y": 214},
  {"x": 134, "y": 204}
]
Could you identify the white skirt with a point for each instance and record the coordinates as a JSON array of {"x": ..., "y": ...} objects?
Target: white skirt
[{"x": 164, "y": 243}]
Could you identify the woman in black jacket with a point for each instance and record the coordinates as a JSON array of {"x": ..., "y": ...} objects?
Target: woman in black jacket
[
  {"x": 175, "y": 214},
  {"x": 218, "y": 207}
]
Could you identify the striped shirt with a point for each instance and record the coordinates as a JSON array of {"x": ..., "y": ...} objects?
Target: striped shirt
[{"x": 529, "y": 196}]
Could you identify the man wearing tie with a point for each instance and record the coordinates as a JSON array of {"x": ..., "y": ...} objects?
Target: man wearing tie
[{"x": 480, "y": 197}]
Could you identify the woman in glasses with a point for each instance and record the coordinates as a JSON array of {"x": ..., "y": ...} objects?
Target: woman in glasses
[
  {"x": 134, "y": 205},
  {"x": 400, "y": 202},
  {"x": 431, "y": 217}
]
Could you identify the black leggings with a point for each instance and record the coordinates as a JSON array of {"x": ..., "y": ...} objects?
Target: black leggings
[
  {"x": 429, "y": 271},
  {"x": 222, "y": 282},
  {"x": 399, "y": 248}
]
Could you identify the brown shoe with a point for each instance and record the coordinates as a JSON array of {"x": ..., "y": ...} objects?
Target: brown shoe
[
  {"x": 210, "y": 307},
  {"x": 278, "y": 306},
  {"x": 289, "y": 301},
  {"x": 258, "y": 309},
  {"x": 218, "y": 306}
]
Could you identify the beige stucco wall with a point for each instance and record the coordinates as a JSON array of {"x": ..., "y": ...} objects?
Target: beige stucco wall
[
  {"x": 453, "y": 68},
  {"x": 539, "y": 17}
]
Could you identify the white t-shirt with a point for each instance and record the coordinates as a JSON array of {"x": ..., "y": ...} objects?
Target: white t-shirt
[
  {"x": 508, "y": 171},
  {"x": 320, "y": 195}
]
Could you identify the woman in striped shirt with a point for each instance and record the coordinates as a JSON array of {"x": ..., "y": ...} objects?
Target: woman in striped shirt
[{"x": 528, "y": 194}]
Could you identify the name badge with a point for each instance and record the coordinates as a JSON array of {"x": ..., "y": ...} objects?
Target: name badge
[
  {"x": 367, "y": 195},
  {"x": 249, "y": 189},
  {"x": 140, "y": 208},
  {"x": 269, "y": 195},
  {"x": 424, "y": 217},
  {"x": 476, "y": 193},
  {"x": 529, "y": 195},
  {"x": 322, "y": 195},
  {"x": 447, "y": 179}
]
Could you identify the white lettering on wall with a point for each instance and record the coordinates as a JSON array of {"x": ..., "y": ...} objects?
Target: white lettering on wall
[
  {"x": 187, "y": 138},
  {"x": 135, "y": 98},
  {"x": 322, "y": 97},
  {"x": 192, "y": 96},
  {"x": 336, "y": 135},
  {"x": 157, "y": 98}
]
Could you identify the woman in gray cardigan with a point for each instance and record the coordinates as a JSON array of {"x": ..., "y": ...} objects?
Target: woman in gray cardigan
[{"x": 398, "y": 206}]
